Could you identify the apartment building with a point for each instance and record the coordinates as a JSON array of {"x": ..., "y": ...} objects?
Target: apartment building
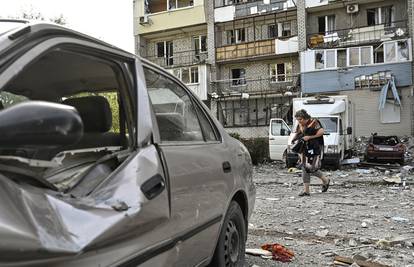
[
  {"x": 247, "y": 59},
  {"x": 256, "y": 61},
  {"x": 173, "y": 34},
  {"x": 362, "y": 49}
]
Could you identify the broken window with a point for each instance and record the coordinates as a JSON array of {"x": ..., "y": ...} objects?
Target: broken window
[
  {"x": 102, "y": 101},
  {"x": 174, "y": 110},
  {"x": 319, "y": 60},
  {"x": 238, "y": 77},
  {"x": 272, "y": 31},
  {"x": 403, "y": 52},
  {"x": 390, "y": 52}
]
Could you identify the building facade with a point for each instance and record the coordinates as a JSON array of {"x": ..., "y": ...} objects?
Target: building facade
[{"x": 247, "y": 59}]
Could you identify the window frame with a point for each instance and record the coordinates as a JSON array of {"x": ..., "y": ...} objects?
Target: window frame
[
  {"x": 348, "y": 60},
  {"x": 242, "y": 80},
  {"x": 286, "y": 75},
  {"x": 234, "y": 37},
  {"x": 196, "y": 106}
]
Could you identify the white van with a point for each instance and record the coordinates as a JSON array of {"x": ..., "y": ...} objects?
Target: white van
[{"x": 336, "y": 116}]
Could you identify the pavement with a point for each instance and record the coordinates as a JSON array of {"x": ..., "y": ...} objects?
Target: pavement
[{"x": 361, "y": 216}]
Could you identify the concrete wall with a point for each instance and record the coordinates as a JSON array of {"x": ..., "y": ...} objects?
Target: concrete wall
[
  {"x": 335, "y": 80},
  {"x": 367, "y": 116},
  {"x": 345, "y": 21}
]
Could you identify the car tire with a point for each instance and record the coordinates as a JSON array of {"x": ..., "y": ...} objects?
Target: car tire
[{"x": 231, "y": 245}]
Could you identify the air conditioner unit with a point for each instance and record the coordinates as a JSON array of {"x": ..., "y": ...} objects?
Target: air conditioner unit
[
  {"x": 143, "y": 20},
  {"x": 353, "y": 8}
]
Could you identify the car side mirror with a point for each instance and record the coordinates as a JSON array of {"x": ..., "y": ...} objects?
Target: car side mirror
[
  {"x": 349, "y": 130},
  {"x": 39, "y": 124},
  {"x": 282, "y": 132}
]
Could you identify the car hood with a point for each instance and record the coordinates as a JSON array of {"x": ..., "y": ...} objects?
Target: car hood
[{"x": 38, "y": 224}]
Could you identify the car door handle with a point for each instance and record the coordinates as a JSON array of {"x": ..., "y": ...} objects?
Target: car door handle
[
  {"x": 153, "y": 186},
  {"x": 226, "y": 167}
]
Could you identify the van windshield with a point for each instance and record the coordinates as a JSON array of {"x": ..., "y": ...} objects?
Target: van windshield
[{"x": 329, "y": 124}]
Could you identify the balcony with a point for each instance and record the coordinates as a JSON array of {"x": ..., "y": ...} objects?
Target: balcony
[
  {"x": 287, "y": 83},
  {"x": 358, "y": 36},
  {"x": 179, "y": 59},
  {"x": 249, "y": 8},
  {"x": 161, "y": 15},
  {"x": 261, "y": 48}
]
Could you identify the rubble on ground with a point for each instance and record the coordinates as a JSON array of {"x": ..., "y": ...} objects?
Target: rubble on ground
[{"x": 362, "y": 216}]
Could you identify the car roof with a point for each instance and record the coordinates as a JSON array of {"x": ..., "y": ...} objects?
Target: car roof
[{"x": 40, "y": 28}]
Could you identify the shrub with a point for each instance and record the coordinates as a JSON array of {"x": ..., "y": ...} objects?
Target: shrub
[
  {"x": 235, "y": 135},
  {"x": 258, "y": 149}
]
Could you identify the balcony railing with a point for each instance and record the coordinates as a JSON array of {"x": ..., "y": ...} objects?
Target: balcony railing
[
  {"x": 246, "y": 50},
  {"x": 359, "y": 35},
  {"x": 280, "y": 84},
  {"x": 179, "y": 59}
]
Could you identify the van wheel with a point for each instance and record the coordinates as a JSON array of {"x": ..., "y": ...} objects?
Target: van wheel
[{"x": 231, "y": 245}]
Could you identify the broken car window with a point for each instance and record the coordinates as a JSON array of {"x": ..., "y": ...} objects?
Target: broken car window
[{"x": 176, "y": 117}]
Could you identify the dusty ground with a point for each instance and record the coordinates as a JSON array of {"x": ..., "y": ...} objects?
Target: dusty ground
[{"x": 358, "y": 210}]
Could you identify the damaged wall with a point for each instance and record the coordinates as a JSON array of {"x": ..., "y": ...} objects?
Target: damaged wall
[{"x": 367, "y": 115}]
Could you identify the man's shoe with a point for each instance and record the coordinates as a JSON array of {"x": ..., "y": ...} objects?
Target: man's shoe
[
  {"x": 325, "y": 187},
  {"x": 303, "y": 194}
]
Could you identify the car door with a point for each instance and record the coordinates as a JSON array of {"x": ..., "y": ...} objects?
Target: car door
[
  {"x": 200, "y": 174},
  {"x": 279, "y": 133},
  {"x": 124, "y": 220}
]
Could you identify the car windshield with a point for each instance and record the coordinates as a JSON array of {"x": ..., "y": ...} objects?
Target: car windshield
[
  {"x": 329, "y": 124},
  {"x": 6, "y": 26}
]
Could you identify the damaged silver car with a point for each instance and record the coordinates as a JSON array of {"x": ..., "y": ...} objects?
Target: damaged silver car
[{"x": 107, "y": 160}]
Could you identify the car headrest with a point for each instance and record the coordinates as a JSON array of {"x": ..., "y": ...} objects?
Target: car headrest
[
  {"x": 95, "y": 112},
  {"x": 171, "y": 126}
]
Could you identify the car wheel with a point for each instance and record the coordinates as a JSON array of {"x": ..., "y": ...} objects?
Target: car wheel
[{"x": 231, "y": 248}]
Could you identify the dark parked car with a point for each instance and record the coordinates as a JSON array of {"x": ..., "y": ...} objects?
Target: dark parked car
[
  {"x": 108, "y": 160},
  {"x": 385, "y": 149}
]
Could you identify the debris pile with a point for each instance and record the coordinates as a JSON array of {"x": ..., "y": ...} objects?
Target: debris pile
[{"x": 356, "y": 261}]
